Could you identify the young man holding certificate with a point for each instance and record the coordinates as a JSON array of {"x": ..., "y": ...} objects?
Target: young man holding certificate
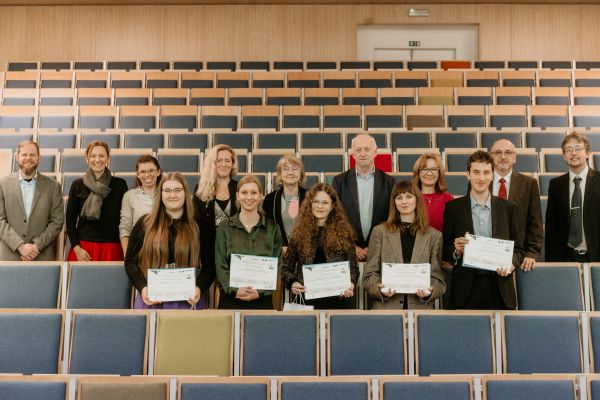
[
  {"x": 320, "y": 262},
  {"x": 482, "y": 277}
]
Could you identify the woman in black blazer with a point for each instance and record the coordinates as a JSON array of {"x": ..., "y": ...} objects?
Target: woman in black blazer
[
  {"x": 214, "y": 201},
  {"x": 283, "y": 204}
]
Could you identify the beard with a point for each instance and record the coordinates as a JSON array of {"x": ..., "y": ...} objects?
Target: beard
[{"x": 28, "y": 168}]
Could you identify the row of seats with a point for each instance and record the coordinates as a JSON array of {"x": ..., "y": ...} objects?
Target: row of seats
[
  {"x": 295, "y": 139},
  {"x": 298, "y": 79},
  {"x": 551, "y": 286},
  {"x": 483, "y": 96},
  {"x": 492, "y": 387},
  {"x": 307, "y": 343},
  {"x": 298, "y": 117},
  {"x": 197, "y": 65}
]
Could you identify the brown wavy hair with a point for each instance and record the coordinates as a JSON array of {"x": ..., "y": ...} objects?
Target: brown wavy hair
[
  {"x": 155, "y": 248},
  {"x": 337, "y": 232},
  {"x": 420, "y": 223},
  {"x": 440, "y": 185}
]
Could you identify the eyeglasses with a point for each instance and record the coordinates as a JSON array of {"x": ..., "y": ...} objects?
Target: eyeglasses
[
  {"x": 323, "y": 203},
  {"x": 148, "y": 171},
  {"x": 290, "y": 169},
  {"x": 500, "y": 153},
  {"x": 224, "y": 161},
  {"x": 432, "y": 171},
  {"x": 576, "y": 149},
  {"x": 176, "y": 191}
]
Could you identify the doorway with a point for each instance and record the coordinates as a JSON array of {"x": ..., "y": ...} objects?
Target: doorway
[{"x": 418, "y": 42}]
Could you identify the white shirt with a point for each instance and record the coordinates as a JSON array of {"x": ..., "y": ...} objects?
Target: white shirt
[
  {"x": 583, "y": 176},
  {"x": 27, "y": 190},
  {"x": 496, "y": 185}
]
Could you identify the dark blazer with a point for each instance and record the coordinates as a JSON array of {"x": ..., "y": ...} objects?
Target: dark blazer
[
  {"x": 557, "y": 217},
  {"x": 272, "y": 209},
  {"x": 525, "y": 192},
  {"x": 204, "y": 213},
  {"x": 346, "y": 187},
  {"x": 457, "y": 221}
]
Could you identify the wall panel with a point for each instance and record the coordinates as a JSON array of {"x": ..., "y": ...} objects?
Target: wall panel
[{"x": 301, "y": 31}]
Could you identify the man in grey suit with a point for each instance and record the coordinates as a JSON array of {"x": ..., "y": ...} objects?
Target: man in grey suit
[
  {"x": 31, "y": 210},
  {"x": 524, "y": 191}
]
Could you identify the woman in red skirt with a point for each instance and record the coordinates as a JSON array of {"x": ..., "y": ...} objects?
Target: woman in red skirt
[{"x": 93, "y": 210}]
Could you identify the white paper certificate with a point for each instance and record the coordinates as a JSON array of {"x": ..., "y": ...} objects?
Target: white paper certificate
[
  {"x": 257, "y": 272},
  {"x": 171, "y": 284},
  {"x": 488, "y": 253},
  {"x": 325, "y": 280},
  {"x": 405, "y": 278}
]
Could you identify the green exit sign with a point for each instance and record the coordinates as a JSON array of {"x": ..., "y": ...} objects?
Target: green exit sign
[{"x": 414, "y": 43}]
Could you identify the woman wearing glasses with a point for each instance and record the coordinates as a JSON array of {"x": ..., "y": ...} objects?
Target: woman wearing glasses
[
  {"x": 215, "y": 200},
  {"x": 138, "y": 201},
  {"x": 246, "y": 233},
  {"x": 93, "y": 210},
  {"x": 323, "y": 235},
  {"x": 405, "y": 238},
  {"x": 166, "y": 237},
  {"x": 283, "y": 204},
  {"x": 428, "y": 175}
]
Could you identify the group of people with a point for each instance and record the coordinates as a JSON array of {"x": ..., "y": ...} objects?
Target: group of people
[{"x": 364, "y": 216}]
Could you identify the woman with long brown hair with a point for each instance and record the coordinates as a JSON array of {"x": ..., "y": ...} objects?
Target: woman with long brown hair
[
  {"x": 167, "y": 237},
  {"x": 323, "y": 235},
  {"x": 405, "y": 238}
]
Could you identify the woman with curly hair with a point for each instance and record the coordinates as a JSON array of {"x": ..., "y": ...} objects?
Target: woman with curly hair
[
  {"x": 215, "y": 200},
  {"x": 323, "y": 235},
  {"x": 405, "y": 238}
]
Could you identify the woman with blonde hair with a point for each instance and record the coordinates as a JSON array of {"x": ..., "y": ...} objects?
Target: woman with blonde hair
[
  {"x": 428, "y": 175},
  {"x": 167, "y": 237},
  {"x": 248, "y": 233},
  {"x": 215, "y": 199},
  {"x": 283, "y": 204},
  {"x": 405, "y": 238},
  {"x": 323, "y": 235}
]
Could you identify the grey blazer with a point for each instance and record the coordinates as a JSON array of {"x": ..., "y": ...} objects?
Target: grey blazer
[
  {"x": 45, "y": 220},
  {"x": 385, "y": 246}
]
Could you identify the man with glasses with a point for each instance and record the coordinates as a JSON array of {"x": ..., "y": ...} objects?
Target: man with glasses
[
  {"x": 525, "y": 192},
  {"x": 573, "y": 212},
  {"x": 31, "y": 210},
  {"x": 365, "y": 192}
]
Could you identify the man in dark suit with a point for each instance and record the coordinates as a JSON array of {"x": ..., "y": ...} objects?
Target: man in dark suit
[
  {"x": 31, "y": 210},
  {"x": 525, "y": 192},
  {"x": 482, "y": 214},
  {"x": 365, "y": 192},
  {"x": 573, "y": 212}
]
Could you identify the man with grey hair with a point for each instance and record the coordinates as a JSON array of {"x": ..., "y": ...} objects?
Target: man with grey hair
[
  {"x": 365, "y": 192},
  {"x": 524, "y": 191},
  {"x": 31, "y": 210}
]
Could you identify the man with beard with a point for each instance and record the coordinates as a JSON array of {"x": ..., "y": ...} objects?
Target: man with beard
[{"x": 31, "y": 210}]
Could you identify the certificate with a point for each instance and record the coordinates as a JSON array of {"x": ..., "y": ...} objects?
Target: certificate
[
  {"x": 171, "y": 284},
  {"x": 488, "y": 253},
  {"x": 325, "y": 280},
  {"x": 405, "y": 278},
  {"x": 257, "y": 272}
]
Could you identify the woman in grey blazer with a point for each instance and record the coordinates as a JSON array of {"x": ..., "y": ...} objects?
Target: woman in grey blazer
[{"x": 405, "y": 238}]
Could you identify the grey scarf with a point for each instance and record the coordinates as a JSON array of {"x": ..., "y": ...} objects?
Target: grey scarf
[{"x": 98, "y": 191}]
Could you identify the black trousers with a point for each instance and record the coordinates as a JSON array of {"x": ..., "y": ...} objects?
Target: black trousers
[{"x": 485, "y": 293}]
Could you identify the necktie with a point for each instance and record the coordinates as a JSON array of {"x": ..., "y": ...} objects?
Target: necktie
[
  {"x": 576, "y": 216},
  {"x": 502, "y": 190}
]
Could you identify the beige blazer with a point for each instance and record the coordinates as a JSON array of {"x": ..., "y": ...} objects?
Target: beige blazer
[
  {"x": 385, "y": 246},
  {"x": 45, "y": 220}
]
